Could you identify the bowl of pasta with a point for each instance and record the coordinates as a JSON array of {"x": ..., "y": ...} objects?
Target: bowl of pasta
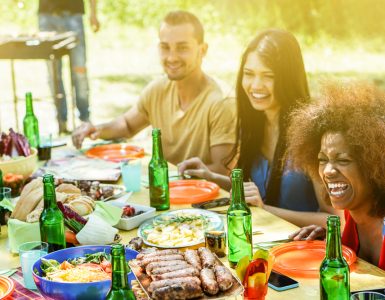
[{"x": 76, "y": 273}]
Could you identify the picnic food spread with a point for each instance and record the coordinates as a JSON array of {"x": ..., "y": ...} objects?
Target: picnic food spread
[
  {"x": 173, "y": 274},
  {"x": 30, "y": 205},
  {"x": 179, "y": 228},
  {"x": 88, "y": 268}
]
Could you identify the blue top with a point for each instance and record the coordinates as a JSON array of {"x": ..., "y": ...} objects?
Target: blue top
[{"x": 297, "y": 192}]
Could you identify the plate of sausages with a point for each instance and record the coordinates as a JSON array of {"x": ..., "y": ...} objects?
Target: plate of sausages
[{"x": 189, "y": 274}]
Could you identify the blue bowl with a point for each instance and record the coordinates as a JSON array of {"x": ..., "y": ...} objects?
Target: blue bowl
[{"x": 75, "y": 291}]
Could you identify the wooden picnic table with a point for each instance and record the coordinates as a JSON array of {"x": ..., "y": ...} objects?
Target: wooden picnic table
[{"x": 363, "y": 276}]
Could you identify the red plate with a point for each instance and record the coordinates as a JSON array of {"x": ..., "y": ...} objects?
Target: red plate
[
  {"x": 192, "y": 191},
  {"x": 7, "y": 287},
  {"x": 303, "y": 258},
  {"x": 115, "y": 152}
]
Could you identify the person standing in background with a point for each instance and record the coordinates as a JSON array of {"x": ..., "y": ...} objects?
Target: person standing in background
[{"x": 63, "y": 16}]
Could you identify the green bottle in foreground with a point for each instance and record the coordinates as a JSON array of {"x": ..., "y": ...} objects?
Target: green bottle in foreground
[
  {"x": 30, "y": 123},
  {"x": 334, "y": 270},
  {"x": 51, "y": 219},
  {"x": 158, "y": 174},
  {"x": 120, "y": 290},
  {"x": 239, "y": 225}
]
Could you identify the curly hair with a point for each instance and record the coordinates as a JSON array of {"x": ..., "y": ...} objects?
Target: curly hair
[
  {"x": 355, "y": 109},
  {"x": 280, "y": 51}
]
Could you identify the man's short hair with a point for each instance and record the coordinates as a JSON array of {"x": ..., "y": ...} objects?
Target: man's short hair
[{"x": 179, "y": 17}]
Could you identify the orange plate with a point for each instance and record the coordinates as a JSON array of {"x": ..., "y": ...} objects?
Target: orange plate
[
  {"x": 303, "y": 258},
  {"x": 115, "y": 152},
  {"x": 6, "y": 287},
  {"x": 192, "y": 191}
]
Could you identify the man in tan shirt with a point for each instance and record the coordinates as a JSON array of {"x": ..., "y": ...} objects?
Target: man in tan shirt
[{"x": 196, "y": 118}]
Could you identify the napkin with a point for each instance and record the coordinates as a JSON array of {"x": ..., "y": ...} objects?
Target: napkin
[
  {"x": 7, "y": 204},
  {"x": 109, "y": 213},
  {"x": 20, "y": 232},
  {"x": 96, "y": 232}
]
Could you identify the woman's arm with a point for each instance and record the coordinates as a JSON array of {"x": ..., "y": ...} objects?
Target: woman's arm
[
  {"x": 298, "y": 218},
  {"x": 301, "y": 218}
]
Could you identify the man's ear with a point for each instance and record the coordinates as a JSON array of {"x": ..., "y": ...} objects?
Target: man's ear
[{"x": 204, "y": 48}]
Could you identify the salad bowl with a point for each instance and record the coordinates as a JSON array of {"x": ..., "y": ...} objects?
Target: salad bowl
[{"x": 75, "y": 291}]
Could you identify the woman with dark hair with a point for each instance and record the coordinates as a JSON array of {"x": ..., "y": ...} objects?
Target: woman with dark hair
[
  {"x": 344, "y": 138},
  {"x": 271, "y": 83}
]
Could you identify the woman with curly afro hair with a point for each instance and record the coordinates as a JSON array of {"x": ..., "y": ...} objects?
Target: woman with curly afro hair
[{"x": 342, "y": 138}]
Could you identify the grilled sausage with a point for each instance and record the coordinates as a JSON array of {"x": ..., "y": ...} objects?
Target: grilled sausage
[
  {"x": 160, "y": 264},
  {"x": 186, "y": 272},
  {"x": 168, "y": 282},
  {"x": 145, "y": 261},
  {"x": 207, "y": 258},
  {"x": 191, "y": 256},
  {"x": 141, "y": 256},
  {"x": 209, "y": 284},
  {"x": 170, "y": 268},
  {"x": 224, "y": 277},
  {"x": 177, "y": 291}
]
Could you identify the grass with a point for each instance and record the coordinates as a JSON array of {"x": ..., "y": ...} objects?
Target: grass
[{"x": 121, "y": 62}]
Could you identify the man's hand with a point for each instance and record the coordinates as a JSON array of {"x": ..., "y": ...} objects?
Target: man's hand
[
  {"x": 83, "y": 131},
  {"x": 194, "y": 167},
  {"x": 252, "y": 195},
  {"x": 309, "y": 233}
]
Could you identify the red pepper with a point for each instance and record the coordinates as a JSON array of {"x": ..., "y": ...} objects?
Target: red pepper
[{"x": 255, "y": 282}]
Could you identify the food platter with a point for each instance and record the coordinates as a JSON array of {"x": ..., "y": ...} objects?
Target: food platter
[
  {"x": 303, "y": 258},
  {"x": 179, "y": 228},
  {"x": 145, "y": 281},
  {"x": 115, "y": 152},
  {"x": 192, "y": 191}
]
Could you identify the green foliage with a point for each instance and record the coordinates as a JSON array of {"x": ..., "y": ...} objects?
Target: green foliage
[{"x": 308, "y": 19}]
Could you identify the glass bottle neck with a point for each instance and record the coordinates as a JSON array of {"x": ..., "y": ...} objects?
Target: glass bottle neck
[
  {"x": 237, "y": 191},
  {"x": 1, "y": 179},
  {"x": 157, "y": 152},
  {"x": 119, "y": 272},
  {"x": 29, "y": 105},
  {"x": 333, "y": 241},
  {"x": 49, "y": 195}
]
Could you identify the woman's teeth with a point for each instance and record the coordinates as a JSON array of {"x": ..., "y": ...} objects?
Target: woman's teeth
[
  {"x": 259, "y": 95},
  {"x": 337, "y": 189}
]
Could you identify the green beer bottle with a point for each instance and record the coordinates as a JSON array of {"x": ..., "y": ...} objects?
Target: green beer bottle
[
  {"x": 120, "y": 290},
  {"x": 334, "y": 271},
  {"x": 158, "y": 174},
  {"x": 51, "y": 219},
  {"x": 30, "y": 123},
  {"x": 239, "y": 225}
]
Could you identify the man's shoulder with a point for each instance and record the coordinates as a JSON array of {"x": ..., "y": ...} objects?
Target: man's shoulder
[{"x": 220, "y": 90}]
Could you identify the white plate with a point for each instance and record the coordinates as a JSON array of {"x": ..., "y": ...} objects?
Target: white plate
[
  {"x": 135, "y": 221},
  {"x": 214, "y": 223}
]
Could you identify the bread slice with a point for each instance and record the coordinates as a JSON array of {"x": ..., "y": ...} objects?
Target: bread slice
[{"x": 30, "y": 197}]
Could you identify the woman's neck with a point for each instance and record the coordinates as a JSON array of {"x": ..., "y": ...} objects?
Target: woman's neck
[
  {"x": 272, "y": 117},
  {"x": 363, "y": 218},
  {"x": 270, "y": 136}
]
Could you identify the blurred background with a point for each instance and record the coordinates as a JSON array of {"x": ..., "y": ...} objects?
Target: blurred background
[{"x": 341, "y": 39}]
